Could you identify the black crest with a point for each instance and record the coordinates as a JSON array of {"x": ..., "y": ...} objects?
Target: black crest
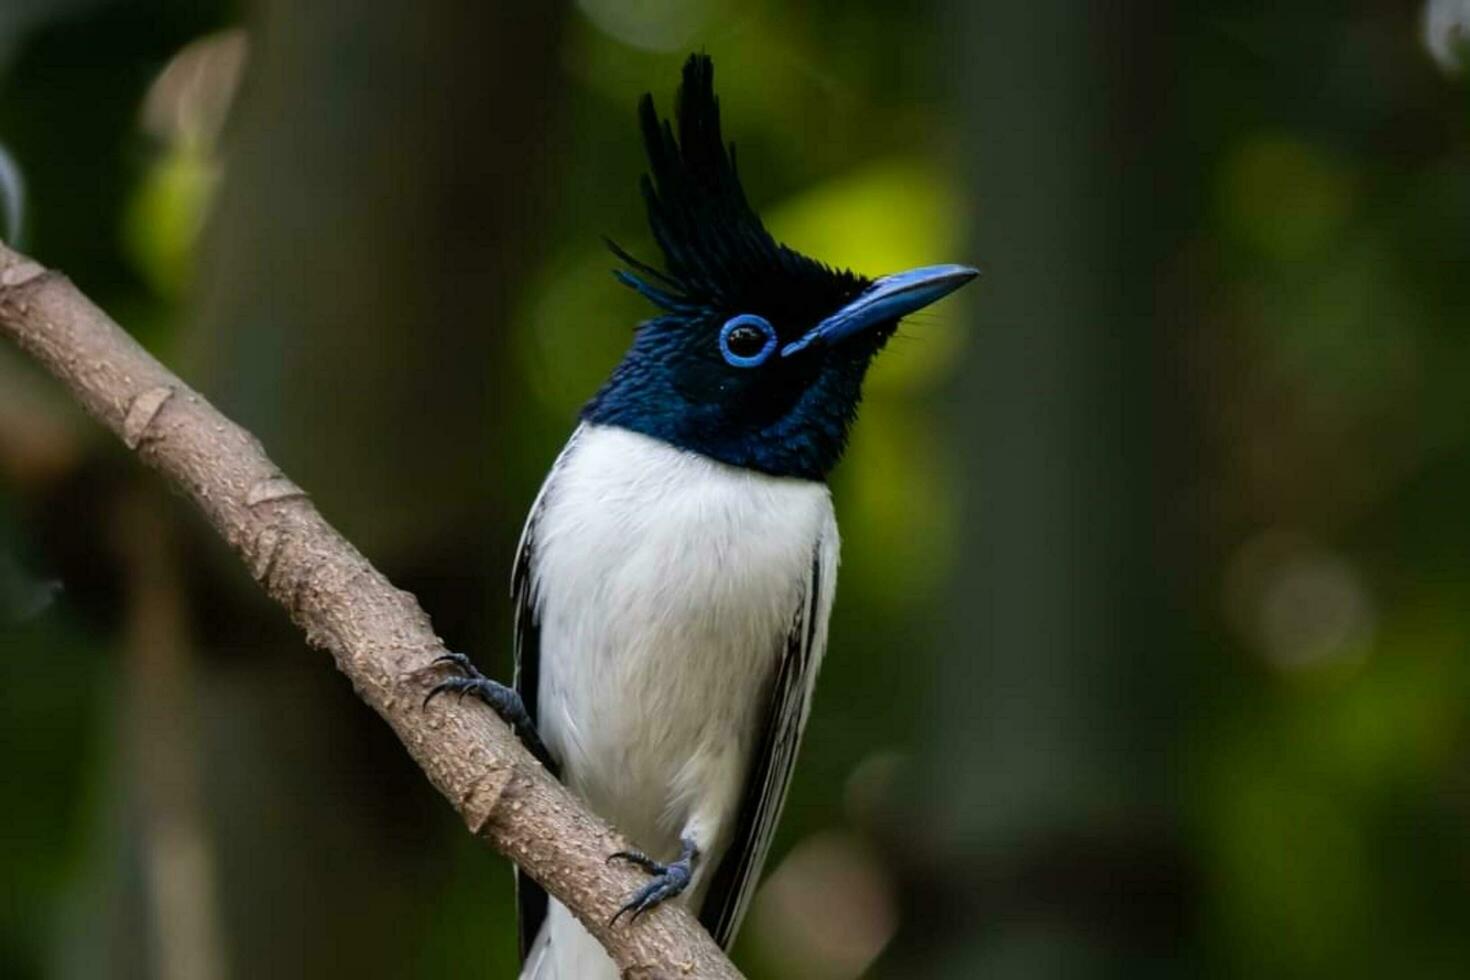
[{"x": 717, "y": 253}]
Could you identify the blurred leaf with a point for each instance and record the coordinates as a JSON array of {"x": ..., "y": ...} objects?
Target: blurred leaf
[
  {"x": 894, "y": 486},
  {"x": 1285, "y": 196},
  {"x": 656, "y": 25},
  {"x": 1293, "y": 886},
  {"x": 166, "y": 215},
  {"x": 576, "y": 321}
]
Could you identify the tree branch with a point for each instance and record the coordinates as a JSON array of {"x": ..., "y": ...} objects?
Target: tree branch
[{"x": 378, "y": 635}]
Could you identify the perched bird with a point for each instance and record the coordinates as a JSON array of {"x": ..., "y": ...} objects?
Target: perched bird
[{"x": 675, "y": 576}]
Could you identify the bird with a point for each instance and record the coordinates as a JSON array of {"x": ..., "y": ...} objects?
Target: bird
[{"x": 674, "y": 581}]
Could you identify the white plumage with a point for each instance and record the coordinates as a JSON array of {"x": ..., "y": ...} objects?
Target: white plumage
[{"x": 666, "y": 587}]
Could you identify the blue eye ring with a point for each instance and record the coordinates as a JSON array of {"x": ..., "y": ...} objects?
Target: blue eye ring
[{"x": 747, "y": 320}]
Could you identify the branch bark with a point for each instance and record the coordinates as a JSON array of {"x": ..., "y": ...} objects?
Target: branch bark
[{"x": 377, "y": 634}]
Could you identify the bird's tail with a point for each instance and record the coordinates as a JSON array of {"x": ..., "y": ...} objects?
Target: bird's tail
[{"x": 563, "y": 950}]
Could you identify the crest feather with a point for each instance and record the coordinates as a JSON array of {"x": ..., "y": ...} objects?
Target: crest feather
[{"x": 717, "y": 253}]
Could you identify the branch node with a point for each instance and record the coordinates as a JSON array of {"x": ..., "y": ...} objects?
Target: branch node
[
  {"x": 266, "y": 546},
  {"x": 272, "y": 488},
  {"x": 142, "y": 412},
  {"x": 21, "y": 273},
  {"x": 482, "y": 798}
]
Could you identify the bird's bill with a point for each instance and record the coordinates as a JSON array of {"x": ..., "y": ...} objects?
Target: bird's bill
[{"x": 886, "y": 300}]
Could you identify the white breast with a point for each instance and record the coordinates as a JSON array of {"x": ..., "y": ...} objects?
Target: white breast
[{"x": 666, "y": 584}]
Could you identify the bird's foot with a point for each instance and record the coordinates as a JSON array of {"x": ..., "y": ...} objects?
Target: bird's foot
[
  {"x": 668, "y": 880},
  {"x": 504, "y": 701}
]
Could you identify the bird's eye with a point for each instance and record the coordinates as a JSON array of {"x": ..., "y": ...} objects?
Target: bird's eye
[{"x": 747, "y": 340}]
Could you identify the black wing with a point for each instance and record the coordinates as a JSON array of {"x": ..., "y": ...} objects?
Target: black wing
[
  {"x": 530, "y": 898},
  {"x": 770, "y": 774}
]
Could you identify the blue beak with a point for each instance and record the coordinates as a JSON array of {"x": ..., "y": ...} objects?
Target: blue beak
[{"x": 886, "y": 300}]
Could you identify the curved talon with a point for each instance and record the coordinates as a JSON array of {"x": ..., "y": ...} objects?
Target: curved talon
[
  {"x": 458, "y": 659},
  {"x": 457, "y": 685},
  {"x": 640, "y": 859}
]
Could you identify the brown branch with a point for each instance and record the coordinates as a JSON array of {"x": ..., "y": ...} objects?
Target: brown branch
[{"x": 377, "y": 634}]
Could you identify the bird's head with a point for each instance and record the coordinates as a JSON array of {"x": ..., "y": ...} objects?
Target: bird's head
[{"x": 758, "y": 353}]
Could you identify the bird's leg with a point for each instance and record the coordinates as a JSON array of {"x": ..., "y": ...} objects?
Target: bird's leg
[
  {"x": 505, "y": 701},
  {"x": 668, "y": 879}
]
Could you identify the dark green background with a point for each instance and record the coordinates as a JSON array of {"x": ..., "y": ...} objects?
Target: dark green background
[{"x": 1150, "y": 652}]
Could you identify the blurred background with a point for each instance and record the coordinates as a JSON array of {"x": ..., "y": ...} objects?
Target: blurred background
[{"x": 1149, "y": 657}]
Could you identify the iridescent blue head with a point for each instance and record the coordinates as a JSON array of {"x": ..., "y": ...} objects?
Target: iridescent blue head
[{"x": 758, "y": 355}]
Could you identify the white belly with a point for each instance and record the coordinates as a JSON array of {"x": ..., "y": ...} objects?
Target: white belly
[{"x": 666, "y": 584}]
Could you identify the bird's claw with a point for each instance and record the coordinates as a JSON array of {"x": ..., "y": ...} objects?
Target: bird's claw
[
  {"x": 505, "y": 701},
  {"x": 668, "y": 881},
  {"x": 469, "y": 680}
]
